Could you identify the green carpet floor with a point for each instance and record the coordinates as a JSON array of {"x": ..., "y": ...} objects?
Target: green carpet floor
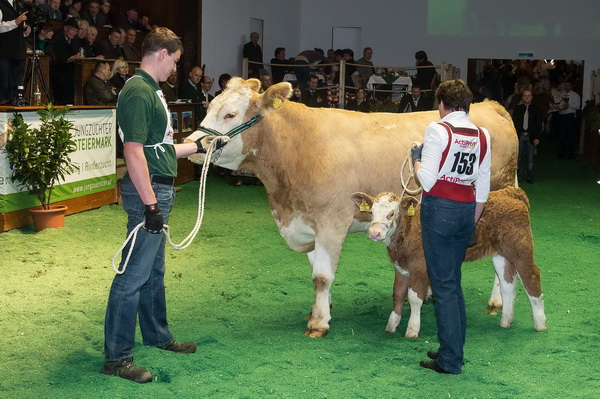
[{"x": 243, "y": 296}]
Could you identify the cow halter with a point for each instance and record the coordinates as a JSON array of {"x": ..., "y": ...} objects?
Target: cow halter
[{"x": 235, "y": 131}]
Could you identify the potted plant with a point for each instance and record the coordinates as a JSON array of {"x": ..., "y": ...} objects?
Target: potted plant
[{"x": 39, "y": 158}]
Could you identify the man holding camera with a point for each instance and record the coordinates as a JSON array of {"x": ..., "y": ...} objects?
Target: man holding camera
[{"x": 13, "y": 31}]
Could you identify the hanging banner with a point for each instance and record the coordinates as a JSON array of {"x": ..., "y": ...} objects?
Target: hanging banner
[{"x": 94, "y": 135}]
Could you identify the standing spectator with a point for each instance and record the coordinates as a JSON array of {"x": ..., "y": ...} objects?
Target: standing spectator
[
  {"x": 130, "y": 49},
  {"x": 265, "y": 82},
  {"x": 567, "y": 127},
  {"x": 278, "y": 71},
  {"x": 528, "y": 119},
  {"x": 415, "y": 101},
  {"x": 453, "y": 199},
  {"x": 98, "y": 90},
  {"x": 367, "y": 70},
  {"x": 93, "y": 14},
  {"x": 148, "y": 194},
  {"x": 64, "y": 50},
  {"x": 169, "y": 87},
  {"x": 111, "y": 47},
  {"x": 223, "y": 79},
  {"x": 54, "y": 10},
  {"x": 311, "y": 97},
  {"x": 105, "y": 9},
  {"x": 253, "y": 52},
  {"x": 119, "y": 74},
  {"x": 304, "y": 60},
  {"x": 12, "y": 49},
  {"x": 425, "y": 71},
  {"x": 205, "y": 96},
  {"x": 351, "y": 74}
]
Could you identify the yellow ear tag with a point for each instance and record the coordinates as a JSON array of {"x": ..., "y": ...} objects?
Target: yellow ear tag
[
  {"x": 411, "y": 210},
  {"x": 364, "y": 207},
  {"x": 277, "y": 103}
]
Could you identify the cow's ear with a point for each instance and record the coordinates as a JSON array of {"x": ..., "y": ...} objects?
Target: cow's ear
[
  {"x": 275, "y": 95},
  {"x": 409, "y": 204},
  {"x": 363, "y": 201},
  {"x": 253, "y": 84}
]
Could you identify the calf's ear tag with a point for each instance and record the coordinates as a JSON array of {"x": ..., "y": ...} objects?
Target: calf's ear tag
[
  {"x": 411, "y": 210},
  {"x": 277, "y": 103},
  {"x": 364, "y": 207}
]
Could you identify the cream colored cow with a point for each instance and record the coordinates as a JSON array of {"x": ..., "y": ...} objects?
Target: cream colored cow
[{"x": 312, "y": 159}]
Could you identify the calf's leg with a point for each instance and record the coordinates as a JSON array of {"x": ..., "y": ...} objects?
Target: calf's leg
[
  {"x": 506, "y": 274},
  {"x": 399, "y": 295},
  {"x": 495, "y": 301}
]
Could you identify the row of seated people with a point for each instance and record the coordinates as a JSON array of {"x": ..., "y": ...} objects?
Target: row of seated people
[
  {"x": 95, "y": 12},
  {"x": 77, "y": 40}
]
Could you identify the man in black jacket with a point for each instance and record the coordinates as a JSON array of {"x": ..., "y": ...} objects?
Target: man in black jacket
[
  {"x": 12, "y": 48},
  {"x": 64, "y": 50},
  {"x": 416, "y": 101},
  {"x": 253, "y": 52},
  {"x": 528, "y": 120}
]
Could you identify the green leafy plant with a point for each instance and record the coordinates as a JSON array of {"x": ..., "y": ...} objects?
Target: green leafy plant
[{"x": 39, "y": 157}]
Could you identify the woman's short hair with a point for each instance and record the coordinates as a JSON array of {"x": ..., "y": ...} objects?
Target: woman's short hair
[
  {"x": 119, "y": 62},
  {"x": 455, "y": 94}
]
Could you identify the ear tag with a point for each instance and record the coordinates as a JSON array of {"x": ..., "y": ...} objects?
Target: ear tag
[
  {"x": 364, "y": 207},
  {"x": 277, "y": 103},
  {"x": 411, "y": 210}
]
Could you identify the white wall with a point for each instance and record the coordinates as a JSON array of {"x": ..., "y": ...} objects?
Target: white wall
[{"x": 396, "y": 29}]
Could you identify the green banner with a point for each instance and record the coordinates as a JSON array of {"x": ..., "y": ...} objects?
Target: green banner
[{"x": 23, "y": 200}]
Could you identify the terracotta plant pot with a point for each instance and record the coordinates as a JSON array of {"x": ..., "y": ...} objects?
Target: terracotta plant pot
[{"x": 48, "y": 218}]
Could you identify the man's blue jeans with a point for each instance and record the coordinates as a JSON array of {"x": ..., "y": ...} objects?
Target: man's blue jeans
[
  {"x": 140, "y": 291},
  {"x": 447, "y": 226}
]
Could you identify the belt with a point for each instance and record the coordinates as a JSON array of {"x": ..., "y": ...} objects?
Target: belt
[{"x": 162, "y": 179}]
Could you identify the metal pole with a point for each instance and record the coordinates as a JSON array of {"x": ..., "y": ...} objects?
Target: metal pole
[{"x": 342, "y": 84}]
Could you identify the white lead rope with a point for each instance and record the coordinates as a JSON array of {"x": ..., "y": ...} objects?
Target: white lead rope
[
  {"x": 166, "y": 229},
  {"x": 411, "y": 173}
]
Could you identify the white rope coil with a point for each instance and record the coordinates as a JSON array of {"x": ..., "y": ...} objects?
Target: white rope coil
[
  {"x": 411, "y": 173},
  {"x": 166, "y": 230}
]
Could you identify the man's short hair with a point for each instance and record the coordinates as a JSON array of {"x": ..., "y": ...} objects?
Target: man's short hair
[
  {"x": 455, "y": 94},
  {"x": 161, "y": 38},
  {"x": 278, "y": 50},
  {"x": 420, "y": 55},
  {"x": 99, "y": 66},
  {"x": 113, "y": 30}
]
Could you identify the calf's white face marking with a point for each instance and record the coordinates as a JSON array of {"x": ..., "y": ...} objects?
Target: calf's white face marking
[{"x": 384, "y": 212}]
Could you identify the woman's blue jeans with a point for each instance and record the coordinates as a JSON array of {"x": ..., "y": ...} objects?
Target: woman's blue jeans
[
  {"x": 447, "y": 226},
  {"x": 140, "y": 291}
]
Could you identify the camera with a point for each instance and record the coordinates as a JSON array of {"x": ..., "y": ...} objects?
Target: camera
[{"x": 36, "y": 16}]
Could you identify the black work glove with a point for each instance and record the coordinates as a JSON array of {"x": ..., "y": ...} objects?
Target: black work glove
[
  {"x": 154, "y": 219},
  {"x": 204, "y": 142},
  {"x": 416, "y": 153}
]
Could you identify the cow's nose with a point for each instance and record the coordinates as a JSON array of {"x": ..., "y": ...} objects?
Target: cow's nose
[{"x": 374, "y": 235}]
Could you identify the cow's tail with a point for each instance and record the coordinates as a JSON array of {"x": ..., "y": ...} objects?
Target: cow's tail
[{"x": 518, "y": 194}]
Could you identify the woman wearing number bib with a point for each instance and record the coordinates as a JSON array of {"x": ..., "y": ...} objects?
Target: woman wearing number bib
[{"x": 454, "y": 170}]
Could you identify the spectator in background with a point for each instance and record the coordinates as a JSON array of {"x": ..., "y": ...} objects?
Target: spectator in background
[
  {"x": 360, "y": 102},
  {"x": 90, "y": 49},
  {"x": 415, "y": 101},
  {"x": 64, "y": 50},
  {"x": 311, "y": 97},
  {"x": 528, "y": 120},
  {"x": 278, "y": 71},
  {"x": 131, "y": 51},
  {"x": 296, "y": 93},
  {"x": 330, "y": 56},
  {"x": 169, "y": 87},
  {"x": 93, "y": 14},
  {"x": 12, "y": 49},
  {"x": 425, "y": 71},
  {"x": 253, "y": 52},
  {"x": 128, "y": 20},
  {"x": 190, "y": 88},
  {"x": 82, "y": 33},
  {"x": 144, "y": 24},
  {"x": 265, "y": 82},
  {"x": 223, "y": 79},
  {"x": 98, "y": 91},
  {"x": 304, "y": 60},
  {"x": 351, "y": 77},
  {"x": 105, "y": 9},
  {"x": 111, "y": 47},
  {"x": 566, "y": 124},
  {"x": 119, "y": 74},
  {"x": 205, "y": 96},
  {"x": 44, "y": 34},
  {"x": 367, "y": 70},
  {"x": 54, "y": 10},
  {"x": 73, "y": 10}
]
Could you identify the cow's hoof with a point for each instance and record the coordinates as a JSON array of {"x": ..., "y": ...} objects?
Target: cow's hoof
[
  {"x": 411, "y": 334},
  {"x": 316, "y": 332},
  {"x": 505, "y": 324}
]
